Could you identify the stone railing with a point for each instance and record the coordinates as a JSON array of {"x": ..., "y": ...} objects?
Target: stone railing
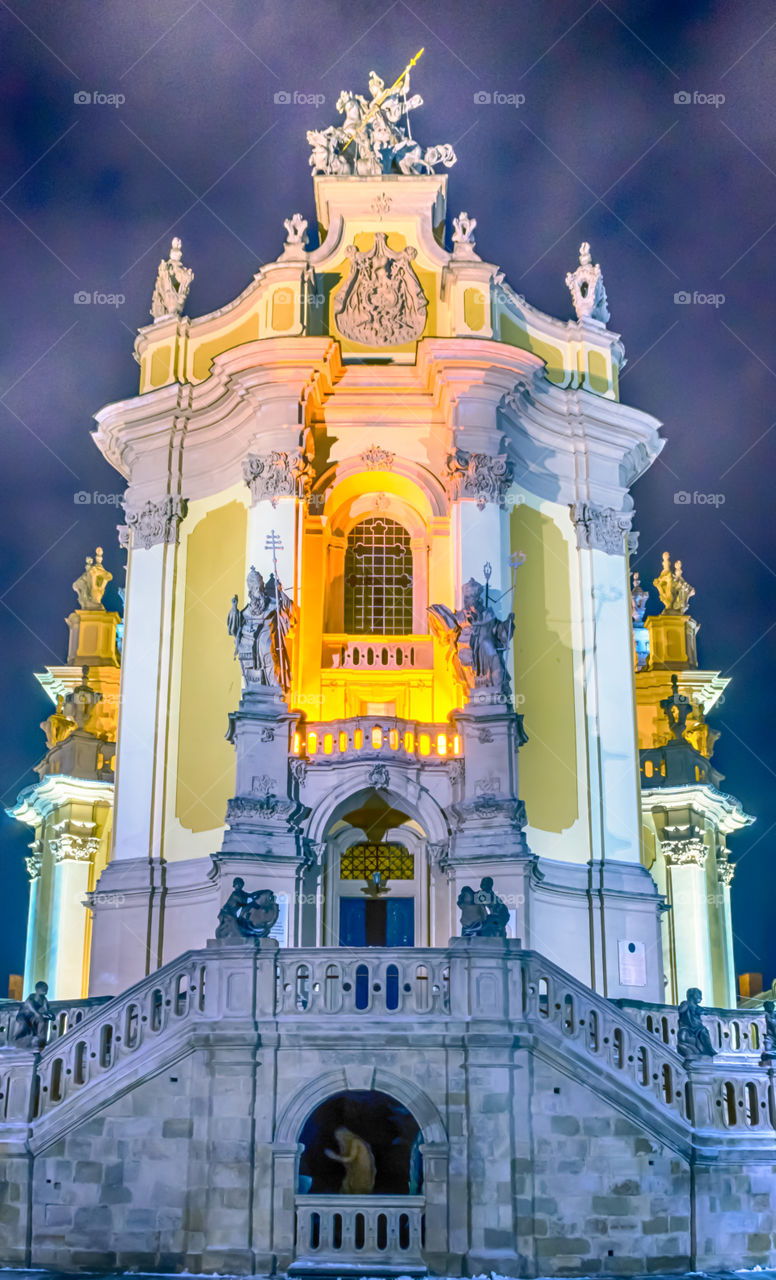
[
  {"x": 386, "y": 1230},
  {"x": 472, "y": 981},
  {"x": 373, "y": 982},
  {"x": 376, "y": 738},
  {"x": 113, "y": 1029},
  {"x": 731, "y": 1031},
  {"x": 378, "y": 653},
  {"x": 67, "y": 1014}
]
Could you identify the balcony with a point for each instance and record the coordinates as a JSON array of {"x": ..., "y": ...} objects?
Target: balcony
[
  {"x": 349, "y": 1232},
  {"x": 376, "y": 737}
]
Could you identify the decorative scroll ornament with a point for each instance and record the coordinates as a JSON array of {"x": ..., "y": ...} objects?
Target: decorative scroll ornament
[
  {"x": 173, "y": 282},
  {"x": 438, "y": 853},
  {"x": 313, "y": 853},
  {"x": 90, "y": 587},
  {"x": 600, "y": 528},
  {"x": 675, "y": 593},
  {"x": 587, "y": 288},
  {"x": 156, "y": 522},
  {"x": 374, "y": 136},
  {"x": 463, "y": 236},
  {"x": 379, "y": 777},
  {"x": 381, "y": 205},
  {"x": 682, "y": 853},
  {"x": 481, "y": 476},
  {"x": 299, "y": 771},
  {"x": 455, "y": 769},
  {"x": 258, "y": 809},
  {"x": 376, "y": 459},
  {"x": 73, "y": 848},
  {"x": 381, "y": 303},
  {"x": 274, "y": 475}
]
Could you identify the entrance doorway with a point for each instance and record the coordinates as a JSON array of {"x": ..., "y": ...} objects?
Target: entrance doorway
[{"x": 377, "y": 922}]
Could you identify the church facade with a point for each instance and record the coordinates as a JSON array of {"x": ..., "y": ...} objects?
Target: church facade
[{"x": 415, "y": 844}]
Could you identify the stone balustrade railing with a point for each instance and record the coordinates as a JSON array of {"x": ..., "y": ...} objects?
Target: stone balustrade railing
[
  {"x": 378, "y": 653},
  {"x": 384, "y": 1230},
  {"x": 368, "y": 983},
  {"x": 67, "y": 1013},
  {"x": 376, "y": 738},
  {"x": 472, "y": 980},
  {"x": 739, "y": 1031}
]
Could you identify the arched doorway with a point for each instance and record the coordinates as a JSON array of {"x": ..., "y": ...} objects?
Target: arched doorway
[{"x": 388, "y": 1128}]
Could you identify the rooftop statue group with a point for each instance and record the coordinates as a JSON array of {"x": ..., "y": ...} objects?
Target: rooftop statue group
[
  {"x": 260, "y": 631},
  {"x": 374, "y": 137},
  {"x": 247, "y": 915},
  {"x": 675, "y": 593}
]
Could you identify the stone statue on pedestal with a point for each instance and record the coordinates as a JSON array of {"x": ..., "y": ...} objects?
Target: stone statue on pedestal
[
  {"x": 33, "y": 1018},
  {"x": 90, "y": 587},
  {"x": 639, "y": 598},
  {"x": 693, "y": 1040},
  {"x": 260, "y": 632},
  {"x": 674, "y": 591},
  {"x": 247, "y": 915},
  {"x": 476, "y": 639},
  {"x": 677, "y": 709},
  {"x": 483, "y": 914},
  {"x": 173, "y": 282}
]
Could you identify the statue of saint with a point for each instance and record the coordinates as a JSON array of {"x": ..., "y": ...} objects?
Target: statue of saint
[
  {"x": 260, "y": 631},
  {"x": 639, "y": 599},
  {"x": 33, "y": 1018},
  {"x": 476, "y": 639},
  {"x": 173, "y": 282},
  {"x": 693, "y": 1040},
  {"x": 356, "y": 1155},
  {"x": 58, "y": 726},
  {"x": 90, "y": 587}
]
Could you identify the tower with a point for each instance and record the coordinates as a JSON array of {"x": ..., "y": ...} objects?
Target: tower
[
  {"x": 70, "y": 807},
  {"x": 687, "y": 818}
]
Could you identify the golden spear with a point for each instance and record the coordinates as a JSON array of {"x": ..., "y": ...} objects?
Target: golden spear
[{"x": 385, "y": 94}]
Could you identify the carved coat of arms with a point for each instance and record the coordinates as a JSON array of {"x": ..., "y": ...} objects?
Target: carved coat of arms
[{"x": 382, "y": 302}]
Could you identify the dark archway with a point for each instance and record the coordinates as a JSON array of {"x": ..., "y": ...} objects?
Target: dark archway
[{"x": 390, "y": 1129}]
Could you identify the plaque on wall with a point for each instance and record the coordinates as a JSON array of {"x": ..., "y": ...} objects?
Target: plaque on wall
[{"x": 632, "y": 963}]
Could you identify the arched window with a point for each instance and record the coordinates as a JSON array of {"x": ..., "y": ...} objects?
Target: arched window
[{"x": 378, "y": 579}]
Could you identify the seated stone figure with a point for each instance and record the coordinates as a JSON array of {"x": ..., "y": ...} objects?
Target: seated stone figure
[
  {"x": 33, "y": 1018},
  {"x": 356, "y": 1155},
  {"x": 483, "y": 914},
  {"x": 247, "y": 915},
  {"x": 693, "y": 1040}
]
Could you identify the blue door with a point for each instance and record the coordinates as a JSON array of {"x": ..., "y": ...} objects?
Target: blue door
[{"x": 377, "y": 922}]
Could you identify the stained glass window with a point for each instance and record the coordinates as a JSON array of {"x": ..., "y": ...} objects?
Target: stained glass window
[
  {"x": 378, "y": 579},
  {"x": 361, "y": 861}
]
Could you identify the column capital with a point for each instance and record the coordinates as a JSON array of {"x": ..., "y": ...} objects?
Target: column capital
[
  {"x": 485, "y": 477},
  {"x": 601, "y": 528},
  {"x": 680, "y": 853},
  {"x": 280, "y": 473},
  {"x": 73, "y": 848},
  {"x": 154, "y": 524}
]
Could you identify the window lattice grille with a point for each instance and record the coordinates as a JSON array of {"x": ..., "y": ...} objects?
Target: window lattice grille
[
  {"x": 378, "y": 579},
  {"x": 360, "y": 861}
]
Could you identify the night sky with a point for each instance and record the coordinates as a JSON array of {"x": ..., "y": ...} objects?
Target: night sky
[{"x": 673, "y": 196}]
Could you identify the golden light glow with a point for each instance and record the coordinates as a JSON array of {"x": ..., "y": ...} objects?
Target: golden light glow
[
  {"x": 442, "y": 744},
  {"x": 296, "y": 744},
  {"x": 358, "y": 739},
  {"x": 425, "y": 744},
  {"x": 328, "y": 743},
  {"x": 409, "y": 742},
  {"x": 312, "y": 744},
  {"x": 377, "y": 737},
  {"x": 343, "y": 740},
  {"x": 393, "y": 739},
  {"x": 457, "y": 745}
]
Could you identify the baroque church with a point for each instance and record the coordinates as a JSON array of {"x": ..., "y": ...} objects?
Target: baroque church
[{"x": 379, "y": 917}]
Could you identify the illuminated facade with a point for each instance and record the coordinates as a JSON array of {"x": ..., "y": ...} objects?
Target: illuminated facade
[{"x": 380, "y": 648}]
